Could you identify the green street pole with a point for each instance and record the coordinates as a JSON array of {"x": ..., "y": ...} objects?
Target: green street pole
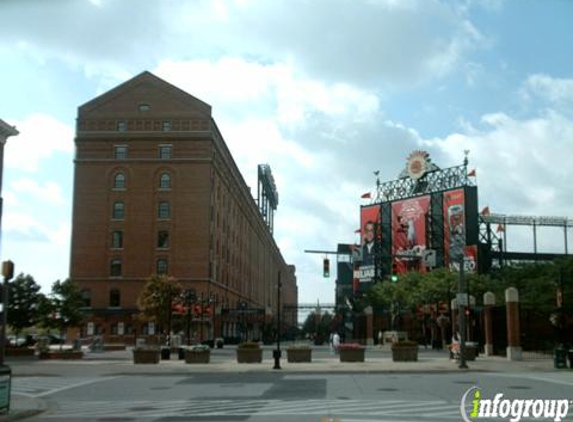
[{"x": 462, "y": 315}]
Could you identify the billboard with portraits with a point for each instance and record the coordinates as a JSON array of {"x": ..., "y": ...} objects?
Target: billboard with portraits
[
  {"x": 364, "y": 256},
  {"x": 409, "y": 234}
]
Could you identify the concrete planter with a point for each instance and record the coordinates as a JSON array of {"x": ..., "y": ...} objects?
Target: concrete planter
[
  {"x": 351, "y": 355},
  {"x": 197, "y": 356},
  {"x": 249, "y": 355},
  {"x": 61, "y": 354},
  {"x": 146, "y": 356},
  {"x": 19, "y": 352},
  {"x": 299, "y": 355},
  {"x": 405, "y": 354}
]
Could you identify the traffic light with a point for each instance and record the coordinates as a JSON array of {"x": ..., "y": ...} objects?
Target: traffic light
[
  {"x": 394, "y": 275},
  {"x": 8, "y": 270},
  {"x": 326, "y": 268}
]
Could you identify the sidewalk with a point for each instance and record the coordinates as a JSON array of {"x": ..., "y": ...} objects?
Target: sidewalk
[{"x": 23, "y": 407}]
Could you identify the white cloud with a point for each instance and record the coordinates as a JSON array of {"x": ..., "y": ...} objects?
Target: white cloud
[
  {"x": 557, "y": 91},
  {"x": 40, "y": 137},
  {"x": 233, "y": 83},
  {"x": 372, "y": 42},
  {"x": 521, "y": 165},
  {"x": 49, "y": 192}
]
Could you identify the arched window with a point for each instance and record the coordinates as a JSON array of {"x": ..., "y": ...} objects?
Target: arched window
[
  {"x": 119, "y": 181},
  {"x": 164, "y": 210},
  {"x": 118, "y": 210},
  {"x": 86, "y": 298},
  {"x": 165, "y": 181},
  {"x": 115, "y": 268},
  {"x": 117, "y": 239},
  {"x": 161, "y": 266},
  {"x": 114, "y": 298}
]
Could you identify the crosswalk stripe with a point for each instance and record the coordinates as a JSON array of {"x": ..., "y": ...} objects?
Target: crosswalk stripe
[
  {"x": 43, "y": 386},
  {"x": 367, "y": 408}
]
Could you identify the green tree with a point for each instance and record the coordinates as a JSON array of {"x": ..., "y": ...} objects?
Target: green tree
[
  {"x": 319, "y": 328},
  {"x": 61, "y": 309},
  {"x": 156, "y": 299},
  {"x": 24, "y": 296}
]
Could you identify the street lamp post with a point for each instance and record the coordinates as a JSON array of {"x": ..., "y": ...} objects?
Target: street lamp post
[
  {"x": 462, "y": 298},
  {"x": 277, "y": 352},
  {"x": 189, "y": 298}
]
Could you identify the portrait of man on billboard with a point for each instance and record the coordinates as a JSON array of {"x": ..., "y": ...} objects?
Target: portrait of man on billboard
[{"x": 368, "y": 244}]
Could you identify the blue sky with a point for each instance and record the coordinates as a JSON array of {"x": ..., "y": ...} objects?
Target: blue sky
[{"x": 325, "y": 91}]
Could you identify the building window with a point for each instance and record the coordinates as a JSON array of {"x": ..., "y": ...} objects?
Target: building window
[
  {"x": 118, "y": 210},
  {"x": 86, "y": 298},
  {"x": 165, "y": 152},
  {"x": 114, "y": 298},
  {"x": 164, "y": 211},
  {"x": 163, "y": 239},
  {"x": 119, "y": 181},
  {"x": 117, "y": 239},
  {"x": 122, "y": 126},
  {"x": 162, "y": 266},
  {"x": 120, "y": 152},
  {"x": 115, "y": 268},
  {"x": 167, "y": 126},
  {"x": 165, "y": 181},
  {"x": 144, "y": 107},
  {"x": 113, "y": 328}
]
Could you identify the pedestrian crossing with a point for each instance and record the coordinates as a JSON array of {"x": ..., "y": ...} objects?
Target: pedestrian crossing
[
  {"x": 363, "y": 409},
  {"x": 43, "y": 386}
]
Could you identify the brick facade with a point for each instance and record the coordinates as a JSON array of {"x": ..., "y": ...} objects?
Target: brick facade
[{"x": 156, "y": 188}]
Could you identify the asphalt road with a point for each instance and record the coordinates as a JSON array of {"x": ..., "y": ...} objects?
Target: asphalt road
[{"x": 276, "y": 396}]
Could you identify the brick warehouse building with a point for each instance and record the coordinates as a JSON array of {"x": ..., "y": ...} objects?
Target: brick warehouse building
[{"x": 156, "y": 191}]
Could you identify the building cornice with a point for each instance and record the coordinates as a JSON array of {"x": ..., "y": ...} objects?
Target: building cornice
[{"x": 6, "y": 130}]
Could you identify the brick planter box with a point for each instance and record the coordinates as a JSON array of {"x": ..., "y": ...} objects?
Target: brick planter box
[
  {"x": 61, "y": 354},
  {"x": 405, "y": 354},
  {"x": 248, "y": 355},
  {"x": 299, "y": 355},
  {"x": 19, "y": 352},
  {"x": 197, "y": 356},
  {"x": 351, "y": 355},
  {"x": 146, "y": 356}
]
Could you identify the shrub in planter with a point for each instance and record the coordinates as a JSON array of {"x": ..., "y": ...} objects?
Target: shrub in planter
[
  {"x": 299, "y": 354},
  {"x": 198, "y": 354},
  {"x": 61, "y": 354},
  {"x": 351, "y": 352},
  {"x": 405, "y": 351},
  {"x": 19, "y": 352},
  {"x": 249, "y": 352},
  {"x": 146, "y": 354}
]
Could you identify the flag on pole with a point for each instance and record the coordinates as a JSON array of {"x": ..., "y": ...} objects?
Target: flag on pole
[
  {"x": 366, "y": 195},
  {"x": 485, "y": 211},
  {"x": 472, "y": 173}
]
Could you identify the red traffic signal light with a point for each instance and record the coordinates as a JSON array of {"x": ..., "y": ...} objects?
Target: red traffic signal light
[{"x": 326, "y": 268}]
